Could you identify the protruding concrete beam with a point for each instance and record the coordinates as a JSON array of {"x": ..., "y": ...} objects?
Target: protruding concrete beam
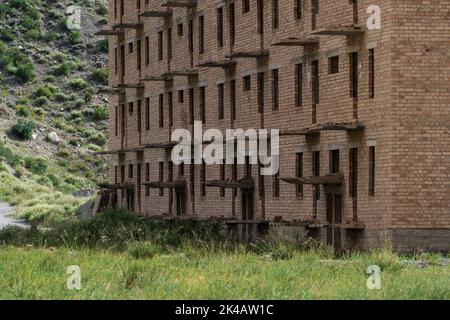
[
  {"x": 249, "y": 54},
  {"x": 316, "y": 129},
  {"x": 163, "y": 77},
  {"x": 131, "y": 86},
  {"x": 166, "y": 184},
  {"x": 337, "y": 31},
  {"x": 182, "y": 73},
  {"x": 244, "y": 183},
  {"x": 117, "y": 186},
  {"x": 109, "y": 33},
  {"x": 331, "y": 179},
  {"x": 217, "y": 64},
  {"x": 180, "y": 3},
  {"x": 297, "y": 42},
  {"x": 123, "y": 26},
  {"x": 156, "y": 14},
  {"x": 110, "y": 90}
]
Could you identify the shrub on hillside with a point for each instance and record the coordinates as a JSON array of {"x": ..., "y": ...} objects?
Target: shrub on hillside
[
  {"x": 102, "y": 45},
  {"x": 33, "y": 34},
  {"x": 10, "y": 157},
  {"x": 60, "y": 97},
  {"x": 78, "y": 83},
  {"x": 100, "y": 75},
  {"x": 38, "y": 114},
  {"x": 36, "y": 165},
  {"x": 7, "y": 35},
  {"x": 19, "y": 4},
  {"x": 16, "y": 63},
  {"x": 3, "y": 47},
  {"x": 33, "y": 12},
  {"x": 63, "y": 69},
  {"x": 74, "y": 37},
  {"x": 98, "y": 138},
  {"x": 22, "y": 111},
  {"x": 51, "y": 36},
  {"x": 101, "y": 9},
  {"x": 29, "y": 22},
  {"x": 46, "y": 91},
  {"x": 41, "y": 101},
  {"x": 23, "y": 129},
  {"x": 25, "y": 72},
  {"x": 100, "y": 113}
]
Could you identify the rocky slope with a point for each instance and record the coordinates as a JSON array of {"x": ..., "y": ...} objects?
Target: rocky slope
[{"x": 51, "y": 119}]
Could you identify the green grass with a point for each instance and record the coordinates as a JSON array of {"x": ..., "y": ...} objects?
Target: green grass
[
  {"x": 125, "y": 257},
  {"x": 201, "y": 274}
]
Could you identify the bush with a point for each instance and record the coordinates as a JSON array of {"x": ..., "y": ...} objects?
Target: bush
[
  {"x": 63, "y": 24},
  {"x": 22, "y": 129},
  {"x": 41, "y": 101},
  {"x": 100, "y": 113},
  {"x": 11, "y": 158},
  {"x": 101, "y": 9},
  {"x": 74, "y": 37},
  {"x": 100, "y": 75},
  {"x": 19, "y": 4},
  {"x": 102, "y": 46},
  {"x": 25, "y": 73},
  {"x": 78, "y": 83},
  {"x": 63, "y": 69},
  {"x": 3, "y": 47},
  {"x": 19, "y": 172},
  {"x": 49, "y": 78},
  {"x": 36, "y": 165},
  {"x": 60, "y": 57},
  {"x": 7, "y": 35},
  {"x": 56, "y": 182},
  {"x": 22, "y": 111},
  {"x": 38, "y": 113},
  {"x": 50, "y": 36},
  {"x": 33, "y": 34},
  {"x": 11, "y": 69},
  {"x": 33, "y": 12},
  {"x": 46, "y": 91},
  {"x": 78, "y": 103},
  {"x": 30, "y": 23},
  {"x": 98, "y": 139},
  {"x": 74, "y": 142},
  {"x": 60, "y": 97}
]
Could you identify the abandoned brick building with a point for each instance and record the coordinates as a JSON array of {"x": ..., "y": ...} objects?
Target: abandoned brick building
[{"x": 359, "y": 89}]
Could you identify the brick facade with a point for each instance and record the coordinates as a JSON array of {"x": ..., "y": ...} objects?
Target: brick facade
[{"x": 403, "y": 106}]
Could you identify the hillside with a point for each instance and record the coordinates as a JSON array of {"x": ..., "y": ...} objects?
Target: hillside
[{"x": 51, "y": 119}]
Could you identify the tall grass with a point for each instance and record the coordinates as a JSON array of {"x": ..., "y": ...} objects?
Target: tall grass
[
  {"x": 126, "y": 257},
  {"x": 186, "y": 273}
]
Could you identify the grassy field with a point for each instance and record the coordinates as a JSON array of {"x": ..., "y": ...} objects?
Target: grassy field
[
  {"x": 123, "y": 257},
  {"x": 41, "y": 274}
]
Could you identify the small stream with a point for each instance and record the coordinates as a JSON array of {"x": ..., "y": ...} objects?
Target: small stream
[{"x": 6, "y": 217}]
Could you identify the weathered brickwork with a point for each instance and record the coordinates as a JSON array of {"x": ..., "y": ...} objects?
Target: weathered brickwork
[{"x": 403, "y": 107}]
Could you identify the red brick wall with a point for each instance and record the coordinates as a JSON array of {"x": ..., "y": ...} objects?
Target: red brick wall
[{"x": 407, "y": 120}]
